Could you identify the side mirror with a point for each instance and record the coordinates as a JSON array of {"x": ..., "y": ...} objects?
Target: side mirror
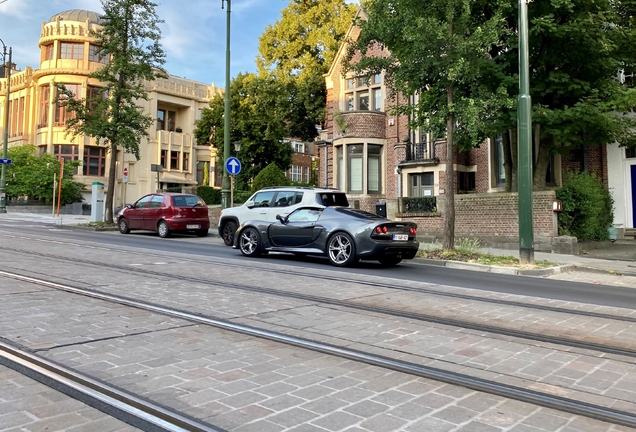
[
  {"x": 249, "y": 204},
  {"x": 281, "y": 219},
  {"x": 129, "y": 206}
]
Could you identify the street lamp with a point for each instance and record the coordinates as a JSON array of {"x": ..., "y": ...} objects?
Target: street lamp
[
  {"x": 524, "y": 120},
  {"x": 225, "y": 187},
  {"x": 237, "y": 146},
  {"x": 5, "y": 144}
]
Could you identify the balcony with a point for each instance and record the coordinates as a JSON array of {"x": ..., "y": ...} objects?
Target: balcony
[{"x": 420, "y": 152}]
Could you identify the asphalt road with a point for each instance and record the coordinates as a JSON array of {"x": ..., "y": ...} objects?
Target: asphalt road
[{"x": 410, "y": 270}]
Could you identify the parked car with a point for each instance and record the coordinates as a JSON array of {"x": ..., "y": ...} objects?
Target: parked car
[
  {"x": 271, "y": 201},
  {"x": 166, "y": 213},
  {"x": 344, "y": 235}
]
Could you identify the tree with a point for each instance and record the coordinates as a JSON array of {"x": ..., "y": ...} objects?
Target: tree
[
  {"x": 270, "y": 176},
  {"x": 33, "y": 176},
  {"x": 437, "y": 51},
  {"x": 576, "y": 49},
  {"x": 298, "y": 49},
  {"x": 258, "y": 108},
  {"x": 129, "y": 38}
]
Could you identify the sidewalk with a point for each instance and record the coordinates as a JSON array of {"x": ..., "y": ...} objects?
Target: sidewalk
[{"x": 612, "y": 258}]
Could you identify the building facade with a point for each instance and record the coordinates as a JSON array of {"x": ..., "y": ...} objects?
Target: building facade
[{"x": 68, "y": 56}]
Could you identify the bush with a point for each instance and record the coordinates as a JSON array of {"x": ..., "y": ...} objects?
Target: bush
[
  {"x": 270, "y": 176},
  {"x": 419, "y": 204},
  {"x": 241, "y": 196},
  {"x": 587, "y": 207},
  {"x": 209, "y": 194}
]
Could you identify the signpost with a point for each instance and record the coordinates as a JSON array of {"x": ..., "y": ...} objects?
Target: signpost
[
  {"x": 4, "y": 161},
  {"x": 125, "y": 181},
  {"x": 233, "y": 167},
  {"x": 158, "y": 169}
]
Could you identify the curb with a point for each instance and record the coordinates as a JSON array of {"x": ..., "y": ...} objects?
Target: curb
[{"x": 548, "y": 271}]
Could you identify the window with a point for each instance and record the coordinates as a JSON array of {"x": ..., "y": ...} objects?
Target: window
[
  {"x": 94, "y": 56},
  {"x": 262, "y": 199},
  {"x": 422, "y": 184},
  {"x": 94, "y": 161},
  {"x": 630, "y": 153},
  {"x": 355, "y": 166},
  {"x": 186, "y": 162},
  {"x": 71, "y": 50},
  {"x": 174, "y": 160},
  {"x": 164, "y": 159},
  {"x": 359, "y": 168},
  {"x": 143, "y": 202},
  {"x": 374, "y": 154},
  {"x": 284, "y": 199},
  {"x": 306, "y": 174},
  {"x": 45, "y": 93},
  {"x": 297, "y": 173},
  {"x": 66, "y": 152},
  {"x": 95, "y": 95},
  {"x": 498, "y": 161},
  {"x": 466, "y": 181},
  {"x": 299, "y": 147},
  {"x": 61, "y": 114},
  {"x": 156, "y": 202},
  {"x": 166, "y": 120},
  {"x": 304, "y": 215},
  {"x": 186, "y": 201},
  {"x": 48, "y": 52},
  {"x": 364, "y": 94}
]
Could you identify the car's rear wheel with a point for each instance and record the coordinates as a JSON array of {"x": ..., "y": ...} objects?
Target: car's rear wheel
[
  {"x": 228, "y": 233},
  {"x": 202, "y": 233},
  {"x": 123, "y": 226},
  {"x": 250, "y": 243},
  {"x": 163, "y": 230},
  {"x": 390, "y": 261},
  {"x": 341, "y": 250}
]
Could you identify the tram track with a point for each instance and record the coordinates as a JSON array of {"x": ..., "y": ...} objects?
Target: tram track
[
  {"x": 565, "y": 404},
  {"x": 422, "y": 317}
]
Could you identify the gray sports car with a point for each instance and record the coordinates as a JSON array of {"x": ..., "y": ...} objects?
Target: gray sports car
[{"x": 343, "y": 234}]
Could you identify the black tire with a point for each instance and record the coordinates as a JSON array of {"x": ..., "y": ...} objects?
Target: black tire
[
  {"x": 123, "y": 226},
  {"x": 163, "y": 230},
  {"x": 390, "y": 261},
  {"x": 341, "y": 250},
  {"x": 202, "y": 233},
  {"x": 250, "y": 242},
  {"x": 228, "y": 233}
]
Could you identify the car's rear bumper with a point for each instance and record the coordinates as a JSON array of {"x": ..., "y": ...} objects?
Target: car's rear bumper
[
  {"x": 182, "y": 224},
  {"x": 407, "y": 250}
]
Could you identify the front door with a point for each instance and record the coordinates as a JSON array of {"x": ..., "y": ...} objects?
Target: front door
[{"x": 135, "y": 215}]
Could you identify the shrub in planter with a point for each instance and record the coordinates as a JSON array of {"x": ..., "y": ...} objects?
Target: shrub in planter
[{"x": 587, "y": 207}]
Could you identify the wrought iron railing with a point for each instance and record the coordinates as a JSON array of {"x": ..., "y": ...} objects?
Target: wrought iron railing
[{"x": 417, "y": 151}]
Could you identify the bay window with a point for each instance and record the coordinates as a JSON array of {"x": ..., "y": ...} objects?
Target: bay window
[
  {"x": 359, "y": 168},
  {"x": 363, "y": 93}
]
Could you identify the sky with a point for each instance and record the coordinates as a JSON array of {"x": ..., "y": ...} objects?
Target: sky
[{"x": 193, "y": 33}]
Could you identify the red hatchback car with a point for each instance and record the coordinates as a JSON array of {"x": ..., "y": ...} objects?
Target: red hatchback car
[{"x": 166, "y": 213}]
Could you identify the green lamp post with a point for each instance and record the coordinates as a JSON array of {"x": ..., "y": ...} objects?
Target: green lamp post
[{"x": 5, "y": 144}]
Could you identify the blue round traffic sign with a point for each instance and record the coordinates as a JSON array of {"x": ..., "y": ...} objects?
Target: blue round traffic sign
[{"x": 233, "y": 166}]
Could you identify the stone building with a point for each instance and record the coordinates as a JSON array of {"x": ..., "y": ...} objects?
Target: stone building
[{"x": 68, "y": 56}]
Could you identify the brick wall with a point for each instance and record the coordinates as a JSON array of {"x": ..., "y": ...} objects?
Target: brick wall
[{"x": 503, "y": 222}]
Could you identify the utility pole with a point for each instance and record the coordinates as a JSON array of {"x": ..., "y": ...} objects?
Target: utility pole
[
  {"x": 5, "y": 145},
  {"x": 524, "y": 125},
  {"x": 225, "y": 188}
]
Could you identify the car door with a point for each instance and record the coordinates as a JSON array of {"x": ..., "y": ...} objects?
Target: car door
[
  {"x": 284, "y": 203},
  {"x": 135, "y": 214},
  {"x": 259, "y": 206},
  {"x": 298, "y": 230},
  {"x": 153, "y": 212}
]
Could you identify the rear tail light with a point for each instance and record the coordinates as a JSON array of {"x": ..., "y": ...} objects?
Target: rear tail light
[
  {"x": 381, "y": 229},
  {"x": 412, "y": 230}
]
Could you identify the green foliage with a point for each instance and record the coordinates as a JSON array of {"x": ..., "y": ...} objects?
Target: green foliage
[
  {"x": 419, "y": 204},
  {"x": 130, "y": 39},
  {"x": 209, "y": 194},
  {"x": 258, "y": 107},
  {"x": 241, "y": 196},
  {"x": 587, "y": 207},
  {"x": 32, "y": 176},
  {"x": 272, "y": 175}
]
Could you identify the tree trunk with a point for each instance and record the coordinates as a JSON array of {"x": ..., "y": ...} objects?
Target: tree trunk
[
  {"x": 110, "y": 192},
  {"x": 542, "y": 162},
  {"x": 449, "y": 212}
]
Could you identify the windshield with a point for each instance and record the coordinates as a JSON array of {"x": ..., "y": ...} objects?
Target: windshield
[{"x": 186, "y": 200}]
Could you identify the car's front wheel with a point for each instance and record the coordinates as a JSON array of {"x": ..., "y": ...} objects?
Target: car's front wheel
[
  {"x": 163, "y": 230},
  {"x": 228, "y": 233},
  {"x": 390, "y": 261},
  {"x": 249, "y": 242},
  {"x": 341, "y": 250},
  {"x": 123, "y": 226}
]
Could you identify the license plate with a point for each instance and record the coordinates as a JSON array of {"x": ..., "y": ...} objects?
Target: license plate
[
  {"x": 193, "y": 226},
  {"x": 400, "y": 237}
]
